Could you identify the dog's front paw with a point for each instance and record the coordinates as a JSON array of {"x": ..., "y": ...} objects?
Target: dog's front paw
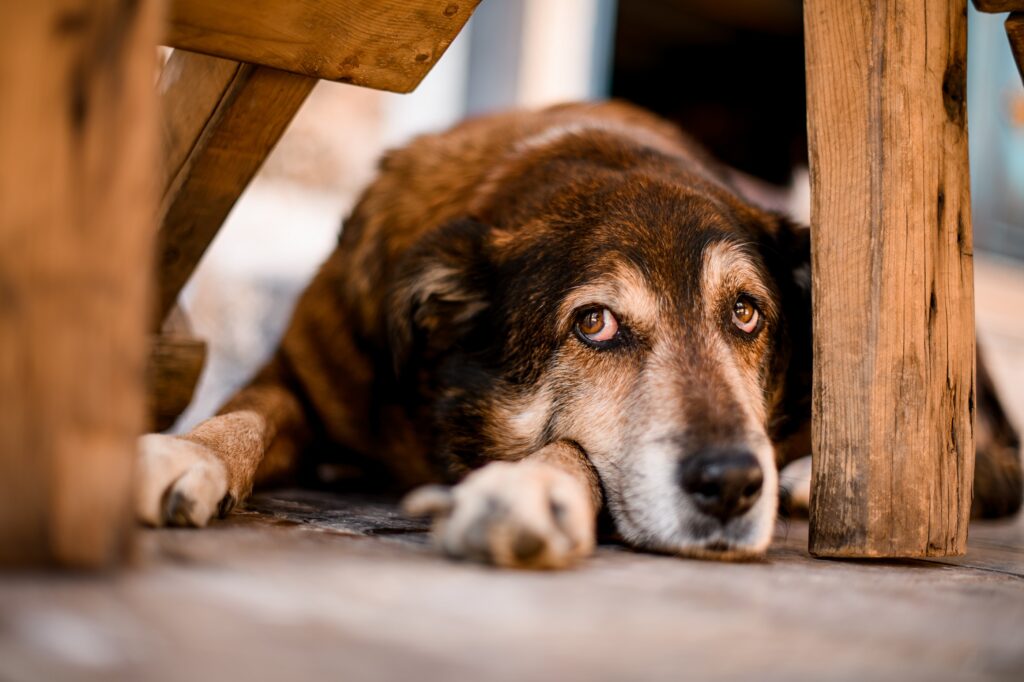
[
  {"x": 179, "y": 483},
  {"x": 521, "y": 514}
]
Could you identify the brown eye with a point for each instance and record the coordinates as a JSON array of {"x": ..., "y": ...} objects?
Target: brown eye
[
  {"x": 745, "y": 315},
  {"x": 597, "y": 324}
]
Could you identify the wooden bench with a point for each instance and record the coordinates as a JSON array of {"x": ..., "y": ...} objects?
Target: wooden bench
[
  {"x": 892, "y": 261},
  {"x": 84, "y": 200}
]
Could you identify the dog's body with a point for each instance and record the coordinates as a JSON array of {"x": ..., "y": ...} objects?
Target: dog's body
[{"x": 574, "y": 304}]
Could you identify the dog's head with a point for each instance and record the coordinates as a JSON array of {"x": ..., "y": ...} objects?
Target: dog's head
[{"x": 623, "y": 299}]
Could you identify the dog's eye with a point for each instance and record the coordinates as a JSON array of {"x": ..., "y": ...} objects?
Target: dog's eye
[
  {"x": 745, "y": 315},
  {"x": 597, "y": 325}
]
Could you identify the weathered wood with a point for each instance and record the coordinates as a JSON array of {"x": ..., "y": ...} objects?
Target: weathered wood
[
  {"x": 892, "y": 278},
  {"x": 222, "y": 120},
  {"x": 77, "y": 199},
  {"x": 383, "y": 44},
  {"x": 996, "y": 6},
  {"x": 1015, "y": 32},
  {"x": 192, "y": 87},
  {"x": 315, "y": 585},
  {"x": 175, "y": 364},
  {"x": 176, "y": 360}
]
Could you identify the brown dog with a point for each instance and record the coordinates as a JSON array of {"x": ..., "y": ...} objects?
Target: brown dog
[{"x": 576, "y": 306}]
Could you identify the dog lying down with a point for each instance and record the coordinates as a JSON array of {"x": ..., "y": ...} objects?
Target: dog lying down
[{"x": 557, "y": 312}]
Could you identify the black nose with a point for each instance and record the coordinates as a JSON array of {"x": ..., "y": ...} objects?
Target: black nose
[{"x": 722, "y": 482}]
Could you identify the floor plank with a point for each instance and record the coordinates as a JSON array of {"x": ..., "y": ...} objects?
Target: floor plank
[{"x": 307, "y": 584}]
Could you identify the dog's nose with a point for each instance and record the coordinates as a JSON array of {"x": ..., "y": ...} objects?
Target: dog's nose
[{"x": 722, "y": 482}]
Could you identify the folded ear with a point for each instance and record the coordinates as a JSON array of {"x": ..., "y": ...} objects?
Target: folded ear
[
  {"x": 787, "y": 251},
  {"x": 442, "y": 286}
]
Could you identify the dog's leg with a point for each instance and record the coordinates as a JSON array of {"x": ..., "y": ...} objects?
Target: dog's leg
[
  {"x": 538, "y": 512},
  {"x": 185, "y": 480},
  {"x": 997, "y": 465}
]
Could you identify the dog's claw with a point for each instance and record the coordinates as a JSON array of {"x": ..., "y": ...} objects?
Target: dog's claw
[
  {"x": 227, "y": 503},
  {"x": 177, "y": 510}
]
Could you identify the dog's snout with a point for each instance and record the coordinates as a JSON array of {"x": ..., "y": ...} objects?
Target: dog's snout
[{"x": 723, "y": 483}]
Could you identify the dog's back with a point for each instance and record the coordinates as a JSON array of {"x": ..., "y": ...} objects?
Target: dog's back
[{"x": 440, "y": 177}]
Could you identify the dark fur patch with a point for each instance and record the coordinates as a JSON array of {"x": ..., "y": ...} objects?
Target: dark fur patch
[{"x": 441, "y": 311}]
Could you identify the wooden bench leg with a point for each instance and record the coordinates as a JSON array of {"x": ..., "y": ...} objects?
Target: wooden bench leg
[
  {"x": 893, "y": 280},
  {"x": 1015, "y": 33},
  {"x": 77, "y": 199},
  {"x": 221, "y": 121}
]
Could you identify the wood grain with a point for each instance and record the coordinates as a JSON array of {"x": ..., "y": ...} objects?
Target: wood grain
[
  {"x": 77, "y": 199},
  {"x": 175, "y": 364},
  {"x": 222, "y": 119},
  {"x": 1015, "y": 32},
  {"x": 996, "y": 6},
  {"x": 192, "y": 87},
  {"x": 383, "y": 44},
  {"x": 892, "y": 278},
  {"x": 307, "y": 585}
]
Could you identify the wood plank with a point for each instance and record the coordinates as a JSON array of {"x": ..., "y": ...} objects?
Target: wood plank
[
  {"x": 175, "y": 364},
  {"x": 318, "y": 583},
  {"x": 892, "y": 278},
  {"x": 996, "y": 6},
  {"x": 383, "y": 44},
  {"x": 222, "y": 121},
  {"x": 77, "y": 199},
  {"x": 191, "y": 89},
  {"x": 176, "y": 361},
  {"x": 1015, "y": 32}
]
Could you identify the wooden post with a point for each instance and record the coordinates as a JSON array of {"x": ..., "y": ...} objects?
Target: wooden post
[
  {"x": 892, "y": 278},
  {"x": 77, "y": 204}
]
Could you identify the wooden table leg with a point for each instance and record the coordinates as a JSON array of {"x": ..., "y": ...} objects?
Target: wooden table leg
[
  {"x": 77, "y": 201},
  {"x": 893, "y": 279}
]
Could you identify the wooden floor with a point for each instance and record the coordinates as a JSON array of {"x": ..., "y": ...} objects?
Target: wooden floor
[{"x": 312, "y": 585}]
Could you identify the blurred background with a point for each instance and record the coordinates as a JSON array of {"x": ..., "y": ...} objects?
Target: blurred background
[{"x": 730, "y": 72}]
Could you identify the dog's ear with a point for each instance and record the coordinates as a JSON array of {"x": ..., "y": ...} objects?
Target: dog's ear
[
  {"x": 441, "y": 288},
  {"x": 787, "y": 252}
]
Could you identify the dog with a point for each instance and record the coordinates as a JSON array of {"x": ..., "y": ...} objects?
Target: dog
[{"x": 534, "y": 317}]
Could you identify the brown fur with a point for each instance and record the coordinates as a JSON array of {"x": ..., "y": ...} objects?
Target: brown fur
[{"x": 431, "y": 341}]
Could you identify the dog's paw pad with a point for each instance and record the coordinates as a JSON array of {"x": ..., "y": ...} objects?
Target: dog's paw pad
[
  {"x": 179, "y": 483},
  {"x": 523, "y": 515},
  {"x": 528, "y": 546}
]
